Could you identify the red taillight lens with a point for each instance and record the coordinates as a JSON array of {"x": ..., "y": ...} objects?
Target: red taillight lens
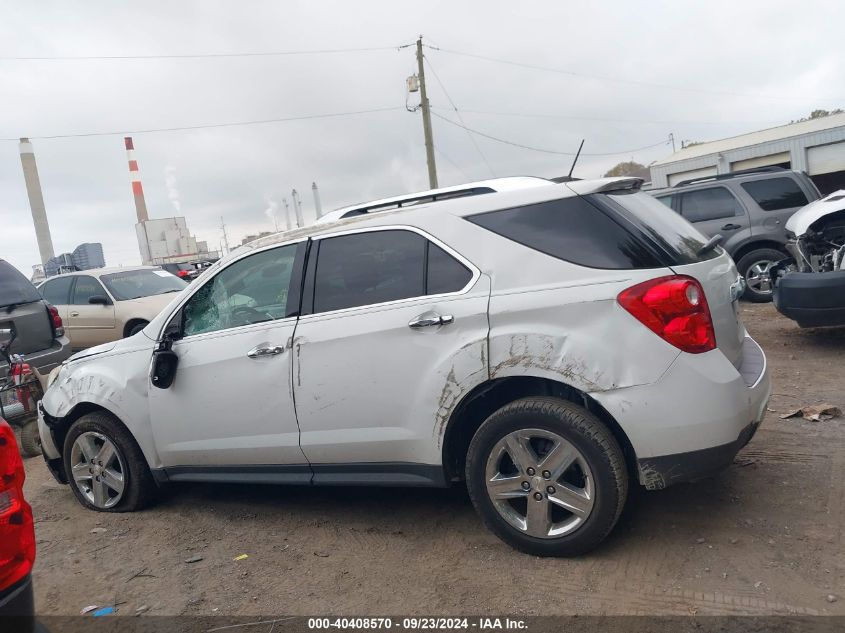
[
  {"x": 17, "y": 530},
  {"x": 58, "y": 325},
  {"x": 675, "y": 309}
]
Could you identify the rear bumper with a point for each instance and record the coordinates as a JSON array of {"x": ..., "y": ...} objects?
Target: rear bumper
[
  {"x": 692, "y": 421},
  {"x": 17, "y": 602},
  {"x": 47, "y": 359},
  {"x": 812, "y": 299}
]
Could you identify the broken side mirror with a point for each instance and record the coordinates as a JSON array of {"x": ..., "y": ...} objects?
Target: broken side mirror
[{"x": 165, "y": 360}]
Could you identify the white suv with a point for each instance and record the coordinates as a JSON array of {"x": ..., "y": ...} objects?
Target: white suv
[{"x": 545, "y": 345}]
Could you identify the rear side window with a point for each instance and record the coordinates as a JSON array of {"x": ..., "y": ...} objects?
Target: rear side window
[
  {"x": 56, "y": 291},
  {"x": 573, "y": 230},
  {"x": 775, "y": 193},
  {"x": 366, "y": 268},
  {"x": 14, "y": 287},
  {"x": 709, "y": 204},
  {"x": 445, "y": 273}
]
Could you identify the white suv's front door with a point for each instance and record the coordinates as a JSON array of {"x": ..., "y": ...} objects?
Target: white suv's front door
[
  {"x": 229, "y": 413},
  {"x": 397, "y": 334}
]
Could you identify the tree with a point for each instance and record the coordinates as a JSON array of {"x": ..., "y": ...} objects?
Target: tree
[
  {"x": 628, "y": 168},
  {"x": 819, "y": 114}
]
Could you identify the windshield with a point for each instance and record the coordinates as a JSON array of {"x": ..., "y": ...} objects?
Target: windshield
[
  {"x": 674, "y": 234},
  {"x": 134, "y": 284},
  {"x": 14, "y": 287}
]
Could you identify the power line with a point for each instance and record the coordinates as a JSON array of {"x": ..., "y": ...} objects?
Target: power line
[
  {"x": 451, "y": 162},
  {"x": 606, "y": 119},
  {"x": 539, "y": 149},
  {"x": 323, "y": 51},
  {"x": 634, "y": 82},
  {"x": 214, "y": 125},
  {"x": 460, "y": 118}
]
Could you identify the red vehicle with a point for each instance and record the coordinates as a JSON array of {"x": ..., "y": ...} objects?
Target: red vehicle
[{"x": 17, "y": 537}]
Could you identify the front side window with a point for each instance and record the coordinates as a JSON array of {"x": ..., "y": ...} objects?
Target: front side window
[
  {"x": 252, "y": 290},
  {"x": 709, "y": 204},
  {"x": 367, "y": 268},
  {"x": 774, "y": 194},
  {"x": 85, "y": 288},
  {"x": 134, "y": 284},
  {"x": 57, "y": 291}
]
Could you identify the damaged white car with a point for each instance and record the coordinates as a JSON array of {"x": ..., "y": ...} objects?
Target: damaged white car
[
  {"x": 810, "y": 286},
  {"x": 547, "y": 346}
]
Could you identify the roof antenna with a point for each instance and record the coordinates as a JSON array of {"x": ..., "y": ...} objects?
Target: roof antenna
[{"x": 571, "y": 169}]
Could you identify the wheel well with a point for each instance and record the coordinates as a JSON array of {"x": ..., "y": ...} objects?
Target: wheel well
[
  {"x": 482, "y": 401},
  {"x": 63, "y": 424},
  {"x": 130, "y": 324},
  {"x": 743, "y": 250}
]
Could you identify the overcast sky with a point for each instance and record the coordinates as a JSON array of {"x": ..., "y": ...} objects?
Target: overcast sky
[{"x": 731, "y": 67}]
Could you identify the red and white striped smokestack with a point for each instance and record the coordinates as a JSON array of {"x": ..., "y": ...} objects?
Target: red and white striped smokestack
[{"x": 135, "y": 177}]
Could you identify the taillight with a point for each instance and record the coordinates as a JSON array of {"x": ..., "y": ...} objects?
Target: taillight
[
  {"x": 17, "y": 530},
  {"x": 675, "y": 309},
  {"x": 56, "y": 321},
  {"x": 182, "y": 273}
]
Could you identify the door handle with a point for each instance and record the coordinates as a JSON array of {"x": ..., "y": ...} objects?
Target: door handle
[
  {"x": 731, "y": 227},
  {"x": 430, "y": 320},
  {"x": 261, "y": 352},
  {"x": 74, "y": 314}
]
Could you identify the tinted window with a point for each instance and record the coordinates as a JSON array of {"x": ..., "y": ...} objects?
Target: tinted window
[
  {"x": 445, "y": 273},
  {"x": 775, "y": 193},
  {"x": 571, "y": 229},
  {"x": 57, "y": 290},
  {"x": 252, "y": 290},
  {"x": 366, "y": 268},
  {"x": 134, "y": 284},
  {"x": 14, "y": 287},
  {"x": 85, "y": 288},
  {"x": 709, "y": 204},
  {"x": 661, "y": 226}
]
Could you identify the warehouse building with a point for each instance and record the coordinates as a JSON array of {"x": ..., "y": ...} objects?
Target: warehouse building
[{"x": 816, "y": 146}]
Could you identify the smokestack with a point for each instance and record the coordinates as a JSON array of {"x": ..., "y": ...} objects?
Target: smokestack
[
  {"x": 36, "y": 201},
  {"x": 135, "y": 177},
  {"x": 318, "y": 208},
  {"x": 297, "y": 208}
]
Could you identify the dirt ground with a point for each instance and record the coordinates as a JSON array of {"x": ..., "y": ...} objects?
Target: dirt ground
[{"x": 766, "y": 536}]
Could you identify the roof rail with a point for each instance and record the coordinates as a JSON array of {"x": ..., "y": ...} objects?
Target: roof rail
[
  {"x": 412, "y": 200},
  {"x": 733, "y": 174}
]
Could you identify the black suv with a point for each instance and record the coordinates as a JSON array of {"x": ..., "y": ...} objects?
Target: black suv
[
  {"x": 749, "y": 209},
  {"x": 40, "y": 331}
]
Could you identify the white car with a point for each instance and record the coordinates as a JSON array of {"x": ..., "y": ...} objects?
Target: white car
[{"x": 545, "y": 345}]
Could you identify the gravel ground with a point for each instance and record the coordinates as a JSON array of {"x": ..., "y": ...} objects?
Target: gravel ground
[{"x": 765, "y": 536}]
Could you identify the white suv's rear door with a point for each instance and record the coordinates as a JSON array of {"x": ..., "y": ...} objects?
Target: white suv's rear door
[{"x": 385, "y": 352}]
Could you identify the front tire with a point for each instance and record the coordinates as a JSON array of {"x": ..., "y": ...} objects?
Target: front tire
[
  {"x": 547, "y": 477},
  {"x": 105, "y": 467},
  {"x": 754, "y": 267}
]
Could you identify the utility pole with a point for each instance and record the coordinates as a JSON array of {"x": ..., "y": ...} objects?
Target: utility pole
[
  {"x": 426, "y": 116},
  {"x": 225, "y": 237},
  {"x": 672, "y": 138}
]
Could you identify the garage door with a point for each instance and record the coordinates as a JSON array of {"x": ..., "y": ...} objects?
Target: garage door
[
  {"x": 824, "y": 159},
  {"x": 761, "y": 161},
  {"x": 706, "y": 172}
]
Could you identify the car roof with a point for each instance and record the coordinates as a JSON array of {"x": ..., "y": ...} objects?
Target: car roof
[
  {"x": 495, "y": 185},
  {"x": 96, "y": 272},
  {"x": 456, "y": 206}
]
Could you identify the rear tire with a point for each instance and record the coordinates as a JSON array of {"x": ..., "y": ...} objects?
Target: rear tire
[
  {"x": 30, "y": 439},
  {"x": 515, "y": 495},
  {"x": 100, "y": 455},
  {"x": 754, "y": 267},
  {"x": 137, "y": 327}
]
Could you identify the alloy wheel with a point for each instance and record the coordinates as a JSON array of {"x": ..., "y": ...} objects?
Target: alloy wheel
[
  {"x": 757, "y": 276},
  {"x": 98, "y": 469},
  {"x": 540, "y": 483}
]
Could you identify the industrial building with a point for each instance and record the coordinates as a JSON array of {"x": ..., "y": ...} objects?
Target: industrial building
[
  {"x": 816, "y": 146},
  {"x": 84, "y": 257}
]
